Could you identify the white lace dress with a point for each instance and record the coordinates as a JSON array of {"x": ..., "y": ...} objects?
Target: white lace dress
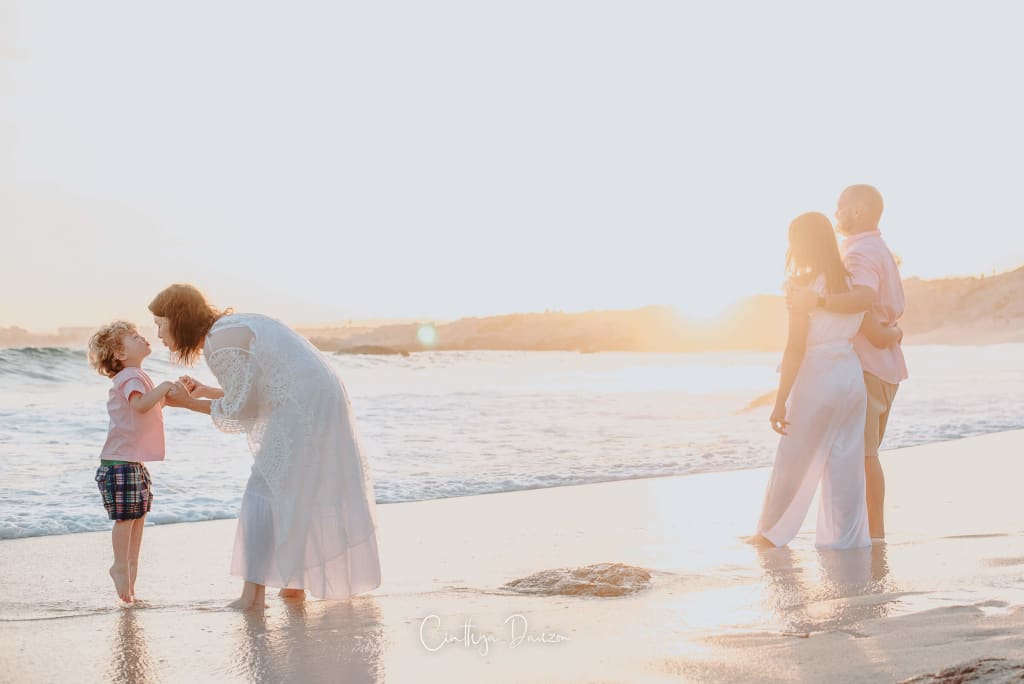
[
  {"x": 825, "y": 441},
  {"x": 308, "y": 517}
]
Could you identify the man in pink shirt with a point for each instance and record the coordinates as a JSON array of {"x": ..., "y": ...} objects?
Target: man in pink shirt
[{"x": 877, "y": 289}]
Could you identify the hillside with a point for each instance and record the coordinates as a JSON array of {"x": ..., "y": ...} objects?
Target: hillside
[{"x": 981, "y": 310}]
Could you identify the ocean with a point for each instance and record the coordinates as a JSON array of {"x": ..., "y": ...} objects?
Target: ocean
[{"x": 446, "y": 424}]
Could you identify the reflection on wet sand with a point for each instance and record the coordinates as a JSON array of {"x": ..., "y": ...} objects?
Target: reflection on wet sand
[
  {"x": 312, "y": 641},
  {"x": 853, "y": 586},
  {"x": 130, "y": 661}
]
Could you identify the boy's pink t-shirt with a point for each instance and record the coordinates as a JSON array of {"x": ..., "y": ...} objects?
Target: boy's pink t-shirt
[{"x": 133, "y": 436}]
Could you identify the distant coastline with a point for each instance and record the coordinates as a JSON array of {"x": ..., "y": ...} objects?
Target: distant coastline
[{"x": 955, "y": 311}]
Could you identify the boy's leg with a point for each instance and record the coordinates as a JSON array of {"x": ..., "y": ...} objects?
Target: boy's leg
[
  {"x": 133, "y": 552},
  {"x": 119, "y": 572}
]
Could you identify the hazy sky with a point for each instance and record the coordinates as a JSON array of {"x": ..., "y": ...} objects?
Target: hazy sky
[{"x": 319, "y": 161}]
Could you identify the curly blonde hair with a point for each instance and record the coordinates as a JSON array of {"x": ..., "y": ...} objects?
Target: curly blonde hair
[{"x": 105, "y": 343}]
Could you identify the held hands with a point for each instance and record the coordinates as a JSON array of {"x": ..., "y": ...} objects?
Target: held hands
[
  {"x": 801, "y": 300},
  {"x": 778, "y": 419},
  {"x": 177, "y": 395},
  {"x": 194, "y": 387}
]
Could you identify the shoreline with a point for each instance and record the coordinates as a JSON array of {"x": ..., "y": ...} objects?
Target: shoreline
[{"x": 151, "y": 524}]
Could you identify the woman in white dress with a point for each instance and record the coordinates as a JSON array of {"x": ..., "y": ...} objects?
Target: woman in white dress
[
  {"x": 308, "y": 519},
  {"x": 821, "y": 403}
]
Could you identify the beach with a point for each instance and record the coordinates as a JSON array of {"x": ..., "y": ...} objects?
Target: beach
[
  {"x": 684, "y": 598},
  {"x": 516, "y": 287}
]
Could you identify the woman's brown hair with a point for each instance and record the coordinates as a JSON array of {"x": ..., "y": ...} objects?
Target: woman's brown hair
[
  {"x": 189, "y": 317},
  {"x": 813, "y": 251}
]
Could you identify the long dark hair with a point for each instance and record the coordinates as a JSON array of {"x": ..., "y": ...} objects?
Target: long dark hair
[{"x": 813, "y": 251}]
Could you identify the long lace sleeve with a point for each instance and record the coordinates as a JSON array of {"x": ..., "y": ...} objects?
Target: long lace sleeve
[{"x": 236, "y": 369}]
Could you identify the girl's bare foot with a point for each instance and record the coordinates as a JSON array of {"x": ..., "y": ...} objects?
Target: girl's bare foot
[
  {"x": 122, "y": 581},
  {"x": 292, "y": 593}
]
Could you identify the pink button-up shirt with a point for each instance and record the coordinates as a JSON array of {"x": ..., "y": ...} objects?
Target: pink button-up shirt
[{"x": 872, "y": 265}]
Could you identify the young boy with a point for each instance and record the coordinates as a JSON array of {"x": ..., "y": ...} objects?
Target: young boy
[{"x": 135, "y": 436}]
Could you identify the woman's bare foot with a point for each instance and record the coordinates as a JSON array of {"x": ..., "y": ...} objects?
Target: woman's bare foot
[
  {"x": 243, "y": 603},
  {"x": 292, "y": 593},
  {"x": 122, "y": 581},
  {"x": 759, "y": 541},
  {"x": 252, "y": 598}
]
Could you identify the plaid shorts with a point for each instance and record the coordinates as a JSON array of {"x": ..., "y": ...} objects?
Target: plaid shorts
[{"x": 126, "y": 489}]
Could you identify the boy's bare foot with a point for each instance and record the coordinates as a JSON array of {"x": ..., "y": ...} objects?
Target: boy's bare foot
[
  {"x": 122, "y": 582},
  {"x": 292, "y": 593},
  {"x": 133, "y": 572}
]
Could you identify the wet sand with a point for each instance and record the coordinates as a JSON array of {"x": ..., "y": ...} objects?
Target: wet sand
[{"x": 696, "y": 604}]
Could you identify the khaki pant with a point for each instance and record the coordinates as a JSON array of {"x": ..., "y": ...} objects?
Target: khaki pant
[{"x": 880, "y": 397}]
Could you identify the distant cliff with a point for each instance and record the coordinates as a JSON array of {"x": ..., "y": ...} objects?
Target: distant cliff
[
  {"x": 65, "y": 337},
  {"x": 983, "y": 310},
  {"x": 948, "y": 311}
]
